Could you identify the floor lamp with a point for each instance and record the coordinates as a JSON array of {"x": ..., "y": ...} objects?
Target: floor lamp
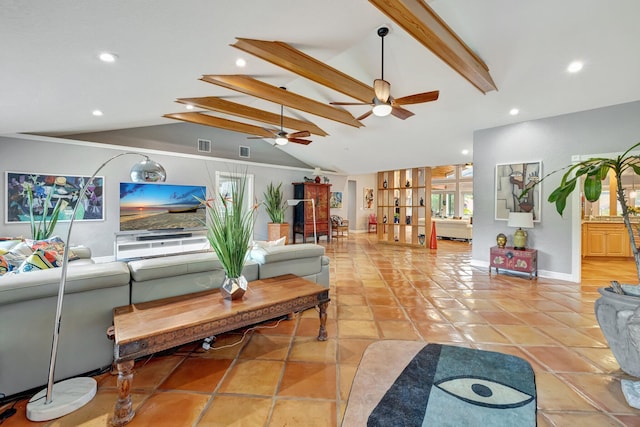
[
  {"x": 293, "y": 202},
  {"x": 74, "y": 393}
]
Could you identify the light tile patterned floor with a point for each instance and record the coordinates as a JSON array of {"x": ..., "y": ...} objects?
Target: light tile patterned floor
[{"x": 282, "y": 376}]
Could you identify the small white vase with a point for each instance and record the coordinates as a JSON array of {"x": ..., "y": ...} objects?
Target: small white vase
[{"x": 234, "y": 287}]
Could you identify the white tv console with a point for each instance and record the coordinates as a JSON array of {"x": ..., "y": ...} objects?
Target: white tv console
[{"x": 159, "y": 243}]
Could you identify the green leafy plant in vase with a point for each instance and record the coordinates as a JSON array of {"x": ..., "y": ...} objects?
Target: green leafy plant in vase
[
  {"x": 230, "y": 231},
  {"x": 276, "y": 206},
  {"x": 618, "y": 308}
]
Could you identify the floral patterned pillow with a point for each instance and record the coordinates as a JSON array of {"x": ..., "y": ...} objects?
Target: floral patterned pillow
[
  {"x": 39, "y": 260},
  {"x": 52, "y": 244}
]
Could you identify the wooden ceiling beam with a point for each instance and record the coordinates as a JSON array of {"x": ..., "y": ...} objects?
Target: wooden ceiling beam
[
  {"x": 213, "y": 103},
  {"x": 419, "y": 20},
  {"x": 250, "y": 86},
  {"x": 286, "y": 56},
  {"x": 217, "y": 122}
]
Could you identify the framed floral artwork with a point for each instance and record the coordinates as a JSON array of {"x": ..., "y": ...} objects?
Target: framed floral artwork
[{"x": 47, "y": 190}]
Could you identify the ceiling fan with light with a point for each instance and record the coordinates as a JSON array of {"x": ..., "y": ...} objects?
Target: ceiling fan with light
[
  {"x": 383, "y": 103},
  {"x": 282, "y": 138}
]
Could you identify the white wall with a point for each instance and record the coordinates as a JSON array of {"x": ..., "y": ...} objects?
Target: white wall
[
  {"x": 65, "y": 157},
  {"x": 553, "y": 141}
]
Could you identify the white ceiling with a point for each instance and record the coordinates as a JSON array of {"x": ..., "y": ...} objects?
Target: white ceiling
[{"x": 51, "y": 79}]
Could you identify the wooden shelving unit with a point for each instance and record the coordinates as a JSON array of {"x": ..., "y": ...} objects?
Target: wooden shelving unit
[{"x": 404, "y": 206}]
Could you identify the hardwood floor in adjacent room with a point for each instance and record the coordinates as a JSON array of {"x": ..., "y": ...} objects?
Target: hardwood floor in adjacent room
[{"x": 279, "y": 375}]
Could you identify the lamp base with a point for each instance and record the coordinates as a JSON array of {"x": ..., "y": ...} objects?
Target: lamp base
[{"x": 67, "y": 396}]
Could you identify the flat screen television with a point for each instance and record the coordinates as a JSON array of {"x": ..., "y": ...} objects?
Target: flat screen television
[{"x": 154, "y": 206}]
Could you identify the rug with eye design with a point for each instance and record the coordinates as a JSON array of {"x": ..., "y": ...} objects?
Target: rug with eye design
[{"x": 408, "y": 383}]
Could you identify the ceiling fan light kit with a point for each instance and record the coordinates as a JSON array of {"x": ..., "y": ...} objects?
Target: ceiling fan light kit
[
  {"x": 381, "y": 109},
  {"x": 383, "y": 103}
]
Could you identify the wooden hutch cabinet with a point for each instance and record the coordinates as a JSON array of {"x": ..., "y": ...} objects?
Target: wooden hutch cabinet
[{"x": 303, "y": 215}]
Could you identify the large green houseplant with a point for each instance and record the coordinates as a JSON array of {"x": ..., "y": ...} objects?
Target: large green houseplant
[
  {"x": 230, "y": 231},
  {"x": 276, "y": 205},
  {"x": 618, "y": 308}
]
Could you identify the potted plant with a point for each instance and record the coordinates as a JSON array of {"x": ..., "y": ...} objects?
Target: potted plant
[
  {"x": 276, "y": 206},
  {"x": 617, "y": 309},
  {"x": 230, "y": 231},
  {"x": 42, "y": 228}
]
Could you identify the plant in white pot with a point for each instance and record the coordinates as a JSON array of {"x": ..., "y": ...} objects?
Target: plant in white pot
[
  {"x": 276, "y": 206},
  {"x": 618, "y": 308},
  {"x": 230, "y": 231}
]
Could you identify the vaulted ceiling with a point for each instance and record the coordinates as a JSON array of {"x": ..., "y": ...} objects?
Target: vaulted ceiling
[{"x": 170, "y": 53}]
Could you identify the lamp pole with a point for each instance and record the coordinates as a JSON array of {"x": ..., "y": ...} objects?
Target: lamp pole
[
  {"x": 294, "y": 202},
  {"x": 82, "y": 390}
]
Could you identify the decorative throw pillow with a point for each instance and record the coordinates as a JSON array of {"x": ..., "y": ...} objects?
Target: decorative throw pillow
[
  {"x": 7, "y": 243},
  {"x": 15, "y": 257},
  {"x": 258, "y": 244},
  {"x": 55, "y": 244},
  {"x": 37, "y": 261},
  {"x": 4, "y": 266}
]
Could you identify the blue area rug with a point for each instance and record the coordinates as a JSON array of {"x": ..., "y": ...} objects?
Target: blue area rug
[{"x": 405, "y": 383}]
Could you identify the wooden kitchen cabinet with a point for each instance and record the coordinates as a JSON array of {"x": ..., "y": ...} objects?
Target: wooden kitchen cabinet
[{"x": 605, "y": 239}]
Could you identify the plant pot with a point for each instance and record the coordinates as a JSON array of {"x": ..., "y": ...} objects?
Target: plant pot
[
  {"x": 619, "y": 319},
  {"x": 275, "y": 231},
  {"x": 234, "y": 287}
]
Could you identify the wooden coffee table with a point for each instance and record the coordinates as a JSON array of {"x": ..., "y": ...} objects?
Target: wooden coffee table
[{"x": 143, "y": 329}]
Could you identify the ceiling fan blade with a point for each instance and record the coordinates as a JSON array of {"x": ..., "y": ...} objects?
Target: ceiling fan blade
[
  {"x": 382, "y": 89},
  {"x": 299, "y": 141},
  {"x": 401, "y": 113},
  {"x": 350, "y": 103},
  {"x": 301, "y": 134},
  {"x": 418, "y": 98},
  {"x": 365, "y": 115}
]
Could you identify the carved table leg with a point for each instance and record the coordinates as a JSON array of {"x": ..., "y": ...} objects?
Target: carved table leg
[
  {"x": 322, "y": 333},
  {"x": 123, "y": 412}
]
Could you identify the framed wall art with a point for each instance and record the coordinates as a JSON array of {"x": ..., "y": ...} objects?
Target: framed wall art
[
  {"x": 335, "y": 201},
  {"x": 368, "y": 198},
  {"x": 63, "y": 188},
  {"x": 511, "y": 180}
]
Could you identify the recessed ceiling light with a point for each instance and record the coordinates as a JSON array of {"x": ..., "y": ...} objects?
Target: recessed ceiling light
[
  {"x": 240, "y": 62},
  {"x": 108, "y": 57},
  {"x": 514, "y": 111},
  {"x": 465, "y": 151},
  {"x": 575, "y": 66},
  {"x": 189, "y": 107},
  {"x": 97, "y": 113}
]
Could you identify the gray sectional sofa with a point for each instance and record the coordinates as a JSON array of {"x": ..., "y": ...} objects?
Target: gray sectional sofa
[{"x": 28, "y": 303}]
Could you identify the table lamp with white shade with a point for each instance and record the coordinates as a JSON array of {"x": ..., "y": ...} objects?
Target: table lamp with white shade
[{"x": 520, "y": 220}]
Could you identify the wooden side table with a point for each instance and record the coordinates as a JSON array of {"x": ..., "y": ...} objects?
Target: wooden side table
[{"x": 520, "y": 260}]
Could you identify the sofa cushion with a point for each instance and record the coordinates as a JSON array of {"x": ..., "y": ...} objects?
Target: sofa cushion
[
  {"x": 285, "y": 253},
  {"x": 45, "y": 283},
  {"x": 175, "y": 265}
]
